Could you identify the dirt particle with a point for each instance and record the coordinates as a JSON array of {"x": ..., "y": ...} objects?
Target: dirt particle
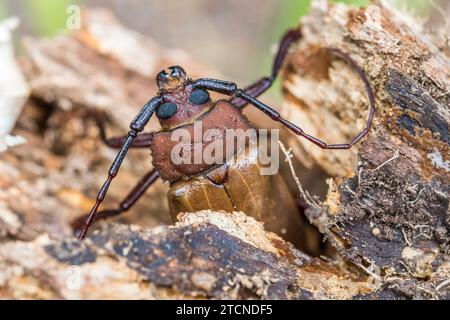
[
  {"x": 376, "y": 232},
  {"x": 204, "y": 280}
]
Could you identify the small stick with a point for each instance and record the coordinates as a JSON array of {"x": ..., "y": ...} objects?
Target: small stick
[
  {"x": 309, "y": 200},
  {"x": 406, "y": 237},
  {"x": 396, "y": 155}
]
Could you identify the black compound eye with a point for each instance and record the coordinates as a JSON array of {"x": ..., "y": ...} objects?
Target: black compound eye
[
  {"x": 199, "y": 97},
  {"x": 166, "y": 110}
]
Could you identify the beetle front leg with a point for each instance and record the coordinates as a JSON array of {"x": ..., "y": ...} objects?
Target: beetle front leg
[
  {"x": 274, "y": 115},
  {"x": 136, "y": 126},
  {"x": 140, "y": 188},
  {"x": 230, "y": 88},
  {"x": 220, "y": 86},
  {"x": 254, "y": 90}
]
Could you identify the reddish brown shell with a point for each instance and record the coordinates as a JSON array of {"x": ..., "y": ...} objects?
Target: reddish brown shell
[
  {"x": 223, "y": 115},
  {"x": 186, "y": 111}
]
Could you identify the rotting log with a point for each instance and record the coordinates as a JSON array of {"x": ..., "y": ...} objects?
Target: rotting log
[
  {"x": 205, "y": 255},
  {"x": 387, "y": 207}
]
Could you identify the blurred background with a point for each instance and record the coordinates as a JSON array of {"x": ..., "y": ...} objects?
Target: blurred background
[{"x": 233, "y": 36}]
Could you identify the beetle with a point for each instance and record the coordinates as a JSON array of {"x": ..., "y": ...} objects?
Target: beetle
[{"x": 218, "y": 186}]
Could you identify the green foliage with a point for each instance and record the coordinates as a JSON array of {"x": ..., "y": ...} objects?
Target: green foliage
[
  {"x": 3, "y": 11},
  {"x": 48, "y": 16}
]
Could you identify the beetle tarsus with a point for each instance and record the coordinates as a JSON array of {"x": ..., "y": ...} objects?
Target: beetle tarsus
[{"x": 134, "y": 195}]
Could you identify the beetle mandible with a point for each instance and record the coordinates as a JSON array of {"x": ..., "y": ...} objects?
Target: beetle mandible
[{"x": 237, "y": 187}]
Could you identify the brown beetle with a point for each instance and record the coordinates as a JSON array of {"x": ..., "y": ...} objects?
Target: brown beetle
[{"x": 228, "y": 186}]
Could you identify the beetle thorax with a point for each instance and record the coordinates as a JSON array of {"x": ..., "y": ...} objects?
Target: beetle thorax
[
  {"x": 221, "y": 117},
  {"x": 185, "y": 111}
]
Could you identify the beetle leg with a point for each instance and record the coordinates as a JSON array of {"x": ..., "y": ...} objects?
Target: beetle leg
[
  {"x": 126, "y": 204},
  {"x": 297, "y": 130},
  {"x": 276, "y": 116},
  {"x": 136, "y": 126},
  {"x": 143, "y": 140},
  {"x": 253, "y": 90},
  {"x": 230, "y": 88},
  {"x": 261, "y": 86}
]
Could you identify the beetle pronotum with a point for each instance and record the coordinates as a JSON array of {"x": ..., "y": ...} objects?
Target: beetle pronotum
[{"x": 180, "y": 102}]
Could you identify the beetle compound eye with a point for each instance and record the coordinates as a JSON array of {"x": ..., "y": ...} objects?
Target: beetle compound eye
[
  {"x": 199, "y": 97},
  {"x": 166, "y": 110}
]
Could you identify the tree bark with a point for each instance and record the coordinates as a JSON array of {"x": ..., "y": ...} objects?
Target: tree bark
[{"x": 387, "y": 207}]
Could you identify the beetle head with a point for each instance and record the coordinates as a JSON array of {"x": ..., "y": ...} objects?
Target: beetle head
[
  {"x": 171, "y": 78},
  {"x": 183, "y": 103}
]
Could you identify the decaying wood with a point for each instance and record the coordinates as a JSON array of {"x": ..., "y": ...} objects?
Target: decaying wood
[
  {"x": 207, "y": 254},
  {"x": 387, "y": 209},
  {"x": 386, "y": 212}
]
